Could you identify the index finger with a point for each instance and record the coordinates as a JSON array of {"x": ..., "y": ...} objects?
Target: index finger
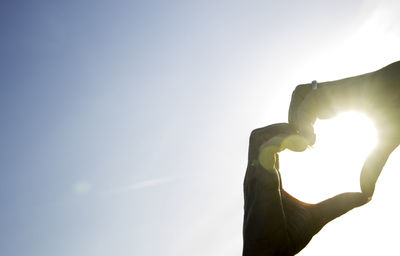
[
  {"x": 302, "y": 111},
  {"x": 262, "y": 135}
]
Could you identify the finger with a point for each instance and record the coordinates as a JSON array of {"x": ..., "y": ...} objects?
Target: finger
[
  {"x": 301, "y": 113},
  {"x": 276, "y": 138},
  {"x": 334, "y": 207},
  {"x": 268, "y": 152},
  {"x": 304, "y": 122},
  {"x": 295, "y": 143},
  {"x": 298, "y": 96},
  {"x": 324, "y": 102},
  {"x": 261, "y": 135},
  {"x": 373, "y": 167},
  {"x": 265, "y": 133},
  {"x": 268, "y": 157}
]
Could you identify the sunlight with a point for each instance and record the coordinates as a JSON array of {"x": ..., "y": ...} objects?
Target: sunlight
[
  {"x": 352, "y": 132},
  {"x": 333, "y": 165}
]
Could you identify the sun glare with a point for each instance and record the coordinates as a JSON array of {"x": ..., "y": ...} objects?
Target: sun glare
[
  {"x": 334, "y": 163},
  {"x": 352, "y": 132}
]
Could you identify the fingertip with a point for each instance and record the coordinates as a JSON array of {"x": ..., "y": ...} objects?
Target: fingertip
[
  {"x": 367, "y": 188},
  {"x": 311, "y": 138},
  {"x": 267, "y": 156},
  {"x": 365, "y": 198},
  {"x": 295, "y": 143},
  {"x": 309, "y": 135}
]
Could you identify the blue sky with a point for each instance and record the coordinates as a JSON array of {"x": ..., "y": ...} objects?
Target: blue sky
[{"x": 124, "y": 124}]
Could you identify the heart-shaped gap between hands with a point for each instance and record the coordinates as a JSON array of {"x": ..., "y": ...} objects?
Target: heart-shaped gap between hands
[{"x": 334, "y": 163}]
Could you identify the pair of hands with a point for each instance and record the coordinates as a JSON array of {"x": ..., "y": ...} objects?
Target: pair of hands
[{"x": 276, "y": 223}]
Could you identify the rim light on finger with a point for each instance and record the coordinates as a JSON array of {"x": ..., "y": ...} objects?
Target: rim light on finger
[{"x": 295, "y": 143}]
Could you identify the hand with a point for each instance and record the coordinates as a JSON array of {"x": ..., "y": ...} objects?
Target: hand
[
  {"x": 376, "y": 94},
  {"x": 275, "y": 223}
]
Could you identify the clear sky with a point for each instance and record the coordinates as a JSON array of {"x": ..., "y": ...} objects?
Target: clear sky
[{"x": 124, "y": 124}]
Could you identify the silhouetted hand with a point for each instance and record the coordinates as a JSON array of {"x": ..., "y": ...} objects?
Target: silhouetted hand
[
  {"x": 377, "y": 94},
  {"x": 275, "y": 223}
]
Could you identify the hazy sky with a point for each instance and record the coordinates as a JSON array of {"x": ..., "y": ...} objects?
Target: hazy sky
[{"x": 124, "y": 124}]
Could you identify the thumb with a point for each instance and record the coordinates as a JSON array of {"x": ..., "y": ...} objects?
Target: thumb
[
  {"x": 336, "y": 206},
  {"x": 373, "y": 167}
]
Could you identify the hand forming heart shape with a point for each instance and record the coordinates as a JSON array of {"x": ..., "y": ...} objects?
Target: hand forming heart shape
[{"x": 275, "y": 223}]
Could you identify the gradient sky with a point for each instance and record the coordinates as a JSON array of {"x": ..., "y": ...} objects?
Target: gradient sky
[{"x": 124, "y": 124}]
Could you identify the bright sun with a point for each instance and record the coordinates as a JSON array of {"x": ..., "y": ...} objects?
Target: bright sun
[
  {"x": 334, "y": 163},
  {"x": 352, "y": 132}
]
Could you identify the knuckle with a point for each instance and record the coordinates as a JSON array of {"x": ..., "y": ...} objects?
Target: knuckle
[
  {"x": 300, "y": 91},
  {"x": 298, "y": 96},
  {"x": 254, "y": 136}
]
